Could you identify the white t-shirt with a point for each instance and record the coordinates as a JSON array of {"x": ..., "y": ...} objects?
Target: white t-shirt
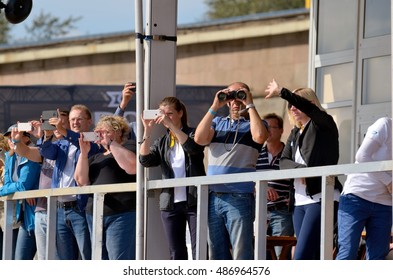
[
  {"x": 376, "y": 146},
  {"x": 67, "y": 179},
  {"x": 177, "y": 160},
  {"x": 301, "y": 197}
]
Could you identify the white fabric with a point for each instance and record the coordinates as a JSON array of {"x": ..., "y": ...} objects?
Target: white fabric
[
  {"x": 376, "y": 146},
  {"x": 178, "y": 164},
  {"x": 301, "y": 198},
  {"x": 67, "y": 179}
]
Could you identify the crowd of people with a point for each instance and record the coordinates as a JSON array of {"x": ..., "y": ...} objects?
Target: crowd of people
[{"x": 242, "y": 141}]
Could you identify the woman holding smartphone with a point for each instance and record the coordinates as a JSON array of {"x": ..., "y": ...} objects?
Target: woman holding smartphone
[
  {"x": 179, "y": 156},
  {"x": 116, "y": 165}
]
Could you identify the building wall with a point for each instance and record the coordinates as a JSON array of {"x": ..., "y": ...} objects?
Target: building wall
[{"x": 252, "y": 50}]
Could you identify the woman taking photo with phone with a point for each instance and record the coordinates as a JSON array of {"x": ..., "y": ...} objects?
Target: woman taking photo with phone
[
  {"x": 179, "y": 156},
  {"x": 116, "y": 165}
]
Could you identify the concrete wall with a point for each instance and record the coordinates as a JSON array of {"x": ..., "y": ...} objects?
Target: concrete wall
[{"x": 253, "y": 50}]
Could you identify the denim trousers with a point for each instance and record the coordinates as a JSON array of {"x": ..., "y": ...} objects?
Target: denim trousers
[
  {"x": 72, "y": 236},
  {"x": 119, "y": 235},
  {"x": 356, "y": 214},
  {"x": 175, "y": 223},
  {"x": 307, "y": 224},
  {"x": 280, "y": 224},
  {"x": 231, "y": 226},
  {"x": 25, "y": 245},
  {"x": 40, "y": 223}
]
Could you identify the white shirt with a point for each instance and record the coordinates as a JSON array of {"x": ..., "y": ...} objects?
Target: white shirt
[
  {"x": 177, "y": 160},
  {"x": 67, "y": 178},
  {"x": 376, "y": 146}
]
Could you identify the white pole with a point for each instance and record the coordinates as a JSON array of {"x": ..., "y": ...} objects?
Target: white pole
[{"x": 139, "y": 243}]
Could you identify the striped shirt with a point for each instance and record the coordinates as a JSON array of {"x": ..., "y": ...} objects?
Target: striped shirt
[
  {"x": 232, "y": 150},
  {"x": 284, "y": 186}
]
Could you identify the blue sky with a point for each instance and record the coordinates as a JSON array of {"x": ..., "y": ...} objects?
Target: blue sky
[{"x": 104, "y": 16}]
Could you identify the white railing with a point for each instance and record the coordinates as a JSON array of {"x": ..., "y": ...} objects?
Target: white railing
[{"x": 202, "y": 182}]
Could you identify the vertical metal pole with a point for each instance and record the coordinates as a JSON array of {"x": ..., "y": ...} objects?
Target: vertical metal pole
[
  {"x": 327, "y": 220},
  {"x": 139, "y": 242},
  {"x": 160, "y": 82},
  {"x": 201, "y": 235},
  {"x": 9, "y": 206},
  {"x": 98, "y": 216},
  {"x": 260, "y": 220},
  {"x": 50, "y": 252}
]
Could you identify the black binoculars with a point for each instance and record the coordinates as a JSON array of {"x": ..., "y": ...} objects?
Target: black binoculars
[{"x": 240, "y": 94}]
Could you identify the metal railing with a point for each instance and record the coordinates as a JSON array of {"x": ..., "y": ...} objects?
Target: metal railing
[{"x": 202, "y": 182}]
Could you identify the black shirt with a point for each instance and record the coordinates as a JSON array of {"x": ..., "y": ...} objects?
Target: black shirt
[{"x": 103, "y": 169}]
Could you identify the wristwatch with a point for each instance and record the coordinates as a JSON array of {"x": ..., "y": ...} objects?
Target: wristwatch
[{"x": 15, "y": 142}]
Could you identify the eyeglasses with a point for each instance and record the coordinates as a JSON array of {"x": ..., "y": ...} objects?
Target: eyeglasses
[{"x": 77, "y": 119}]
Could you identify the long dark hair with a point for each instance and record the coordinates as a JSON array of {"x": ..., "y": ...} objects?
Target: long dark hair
[{"x": 178, "y": 105}]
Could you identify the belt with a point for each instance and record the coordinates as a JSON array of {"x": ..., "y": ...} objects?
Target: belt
[{"x": 67, "y": 205}]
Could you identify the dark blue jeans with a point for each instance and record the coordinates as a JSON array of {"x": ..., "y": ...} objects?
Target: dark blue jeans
[
  {"x": 356, "y": 214},
  {"x": 25, "y": 245},
  {"x": 118, "y": 240},
  {"x": 72, "y": 234},
  {"x": 175, "y": 223},
  {"x": 307, "y": 224},
  {"x": 231, "y": 226}
]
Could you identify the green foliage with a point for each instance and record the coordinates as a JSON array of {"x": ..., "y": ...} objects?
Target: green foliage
[
  {"x": 231, "y": 8},
  {"x": 4, "y": 29},
  {"x": 46, "y": 27}
]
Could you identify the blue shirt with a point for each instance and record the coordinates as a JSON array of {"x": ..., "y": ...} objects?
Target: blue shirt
[{"x": 232, "y": 150}]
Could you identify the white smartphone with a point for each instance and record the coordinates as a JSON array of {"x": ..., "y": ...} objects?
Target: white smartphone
[
  {"x": 91, "y": 136},
  {"x": 151, "y": 114},
  {"x": 26, "y": 126}
]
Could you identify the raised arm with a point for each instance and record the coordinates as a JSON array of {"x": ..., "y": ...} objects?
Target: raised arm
[{"x": 204, "y": 132}]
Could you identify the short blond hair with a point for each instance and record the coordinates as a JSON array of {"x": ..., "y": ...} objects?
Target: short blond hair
[{"x": 117, "y": 123}]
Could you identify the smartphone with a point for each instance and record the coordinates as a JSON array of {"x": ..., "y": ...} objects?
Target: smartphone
[
  {"x": 45, "y": 116},
  {"x": 151, "y": 114},
  {"x": 25, "y": 126},
  {"x": 134, "y": 84},
  {"x": 91, "y": 136}
]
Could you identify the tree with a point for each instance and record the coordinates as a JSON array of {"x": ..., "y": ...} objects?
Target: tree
[
  {"x": 46, "y": 27},
  {"x": 4, "y": 30},
  {"x": 231, "y": 8}
]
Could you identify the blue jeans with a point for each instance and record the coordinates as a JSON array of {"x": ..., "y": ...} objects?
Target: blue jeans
[
  {"x": 175, "y": 223},
  {"x": 25, "y": 245},
  {"x": 40, "y": 222},
  {"x": 118, "y": 240},
  {"x": 280, "y": 224},
  {"x": 355, "y": 214},
  {"x": 307, "y": 224},
  {"x": 231, "y": 226},
  {"x": 72, "y": 237}
]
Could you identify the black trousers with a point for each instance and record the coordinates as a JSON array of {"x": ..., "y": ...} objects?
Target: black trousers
[{"x": 175, "y": 223}]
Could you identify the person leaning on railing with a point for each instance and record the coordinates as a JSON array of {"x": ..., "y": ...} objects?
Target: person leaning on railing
[
  {"x": 178, "y": 156},
  {"x": 117, "y": 164},
  {"x": 233, "y": 143},
  {"x": 21, "y": 174},
  {"x": 312, "y": 142}
]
